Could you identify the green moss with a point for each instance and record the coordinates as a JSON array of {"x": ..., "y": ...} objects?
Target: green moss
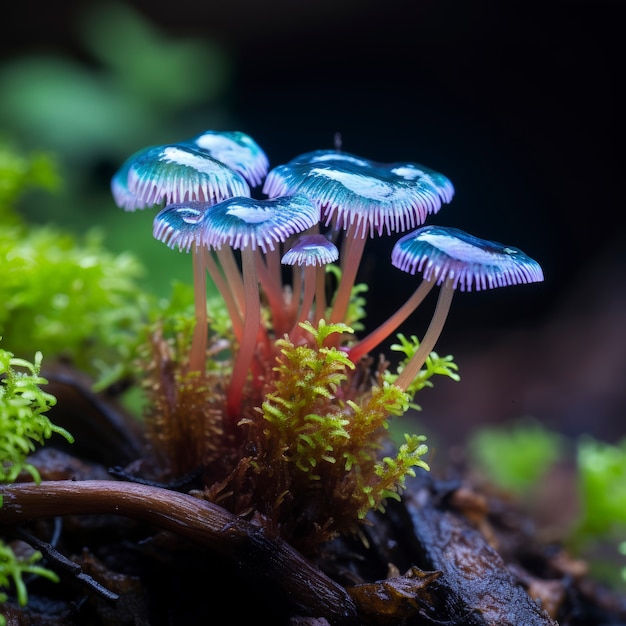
[
  {"x": 23, "y": 424},
  {"x": 19, "y": 173},
  {"x": 601, "y": 527},
  {"x": 67, "y": 297},
  {"x": 23, "y": 427},
  {"x": 516, "y": 457},
  {"x": 434, "y": 365},
  {"x": 318, "y": 431},
  {"x": 13, "y": 570}
]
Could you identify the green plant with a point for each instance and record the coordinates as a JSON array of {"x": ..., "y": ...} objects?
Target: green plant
[
  {"x": 18, "y": 173},
  {"x": 23, "y": 424},
  {"x": 515, "y": 457},
  {"x": 433, "y": 365},
  {"x": 312, "y": 435},
  {"x": 65, "y": 296},
  {"x": 602, "y": 491},
  {"x": 12, "y": 572},
  {"x": 23, "y": 427},
  {"x": 518, "y": 457}
]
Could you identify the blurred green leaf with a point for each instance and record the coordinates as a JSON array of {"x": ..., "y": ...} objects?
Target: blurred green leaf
[
  {"x": 517, "y": 456},
  {"x": 168, "y": 72}
]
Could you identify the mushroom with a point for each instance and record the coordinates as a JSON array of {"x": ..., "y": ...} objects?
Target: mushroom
[
  {"x": 208, "y": 168},
  {"x": 311, "y": 252},
  {"x": 361, "y": 197},
  {"x": 452, "y": 258},
  {"x": 246, "y": 224},
  {"x": 174, "y": 173},
  {"x": 180, "y": 226},
  {"x": 235, "y": 149}
]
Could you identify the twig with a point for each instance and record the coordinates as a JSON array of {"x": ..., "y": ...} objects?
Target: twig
[{"x": 62, "y": 562}]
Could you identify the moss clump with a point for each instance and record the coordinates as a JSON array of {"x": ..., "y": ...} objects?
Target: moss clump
[
  {"x": 67, "y": 297},
  {"x": 314, "y": 461},
  {"x": 23, "y": 424}
]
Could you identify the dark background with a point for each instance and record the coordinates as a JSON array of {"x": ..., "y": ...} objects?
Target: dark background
[{"x": 519, "y": 103}]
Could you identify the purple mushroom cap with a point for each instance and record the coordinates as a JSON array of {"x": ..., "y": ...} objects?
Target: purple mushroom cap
[
  {"x": 352, "y": 190},
  {"x": 235, "y": 149},
  {"x": 440, "y": 253},
  {"x": 246, "y": 222},
  {"x": 174, "y": 173},
  {"x": 309, "y": 250}
]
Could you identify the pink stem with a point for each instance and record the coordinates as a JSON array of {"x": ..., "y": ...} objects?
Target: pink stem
[
  {"x": 224, "y": 288},
  {"x": 386, "y": 328},
  {"x": 353, "y": 246},
  {"x": 231, "y": 270},
  {"x": 307, "y": 302},
  {"x": 413, "y": 367},
  {"x": 251, "y": 324},
  {"x": 197, "y": 354},
  {"x": 320, "y": 294},
  {"x": 273, "y": 290},
  {"x": 296, "y": 288}
]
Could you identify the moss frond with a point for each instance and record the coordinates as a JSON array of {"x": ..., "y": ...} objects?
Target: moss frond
[
  {"x": 434, "y": 365},
  {"x": 321, "y": 453},
  {"x": 23, "y": 425},
  {"x": 13, "y": 570},
  {"x": 70, "y": 298},
  {"x": 184, "y": 421}
]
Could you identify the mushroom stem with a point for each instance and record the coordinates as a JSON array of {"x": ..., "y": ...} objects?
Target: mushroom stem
[
  {"x": 197, "y": 354},
  {"x": 224, "y": 288},
  {"x": 228, "y": 262},
  {"x": 412, "y": 368},
  {"x": 320, "y": 294},
  {"x": 306, "y": 303},
  {"x": 271, "y": 282},
  {"x": 251, "y": 323},
  {"x": 386, "y": 328},
  {"x": 297, "y": 280},
  {"x": 353, "y": 246}
]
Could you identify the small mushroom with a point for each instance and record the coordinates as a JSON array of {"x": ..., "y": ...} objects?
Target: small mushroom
[
  {"x": 360, "y": 197},
  {"x": 208, "y": 168},
  {"x": 180, "y": 226},
  {"x": 246, "y": 224},
  {"x": 452, "y": 259},
  {"x": 311, "y": 253}
]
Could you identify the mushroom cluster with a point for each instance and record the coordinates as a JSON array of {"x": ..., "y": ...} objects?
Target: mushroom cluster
[{"x": 318, "y": 209}]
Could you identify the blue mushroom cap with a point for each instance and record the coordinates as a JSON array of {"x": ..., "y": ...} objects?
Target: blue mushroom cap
[
  {"x": 239, "y": 222},
  {"x": 179, "y": 225},
  {"x": 312, "y": 249},
  {"x": 353, "y": 191},
  {"x": 235, "y": 149},
  {"x": 246, "y": 222},
  {"x": 174, "y": 173},
  {"x": 440, "y": 253}
]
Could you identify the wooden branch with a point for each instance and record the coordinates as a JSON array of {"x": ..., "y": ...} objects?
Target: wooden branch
[{"x": 309, "y": 590}]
